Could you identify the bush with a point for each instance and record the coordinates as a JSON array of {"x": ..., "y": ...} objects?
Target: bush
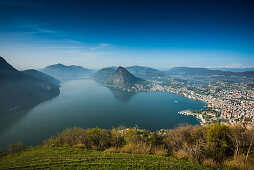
[
  {"x": 210, "y": 163},
  {"x": 181, "y": 154},
  {"x": 175, "y": 139},
  {"x": 68, "y": 137},
  {"x": 113, "y": 150},
  {"x": 97, "y": 139},
  {"x": 238, "y": 162},
  {"x": 197, "y": 151},
  {"x": 52, "y": 141},
  {"x": 141, "y": 148},
  {"x": 159, "y": 150},
  {"x": 156, "y": 139},
  {"x": 117, "y": 139},
  {"x": 218, "y": 142},
  {"x": 136, "y": 136},
  {"x": 17, "y": 147}
]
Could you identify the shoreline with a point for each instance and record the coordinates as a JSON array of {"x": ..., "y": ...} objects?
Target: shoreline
[{"x": 199, "y": 117}]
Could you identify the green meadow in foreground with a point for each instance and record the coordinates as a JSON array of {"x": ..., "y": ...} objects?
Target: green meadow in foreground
[{"x": 69, "y": 158}]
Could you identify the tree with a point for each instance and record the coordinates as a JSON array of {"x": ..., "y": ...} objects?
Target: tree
[
  {"x": 249, "y": 141},
  {"x": 237, "y": 136},
  {"x": 218, "y": 141}
]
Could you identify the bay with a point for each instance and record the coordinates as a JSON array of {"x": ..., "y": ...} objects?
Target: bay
[{"x": 87, "y": 104}]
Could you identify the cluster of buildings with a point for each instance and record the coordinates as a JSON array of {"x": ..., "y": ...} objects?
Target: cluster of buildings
[{"x": 226, "y": 101}]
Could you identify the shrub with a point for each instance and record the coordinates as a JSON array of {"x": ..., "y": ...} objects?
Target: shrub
[
  {"x": 181, "y": 154},
  {"x": 238, "y": 162},
  {"x": 140, "y": 148},
  {"x": 82, "y": 146},
  {"x": 156, "y": 139},
  {"x": 17, "y": 147},
  {"x": 210, "y": 163},
  {"x": 52, "y": 141},
  {"x": 70, "y": 137},
  {"x": 113, "y": 150},
  {"x": 159, "y": 150},
  {"x": 98, "y": 139},
  {"x": 117, "y": 139},
  {"x": 175, "y": 138},
  {"x": 218, "y": 142},
  {"x": 136, "y": 136},
  {"x": 196, "y": 151}
]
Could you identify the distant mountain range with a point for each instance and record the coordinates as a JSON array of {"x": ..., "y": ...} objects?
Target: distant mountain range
[
  {"x": 141, "y": 70},
  {"x": 184, "y": 73},
  {"x": 21, "y": 89},
  {"x": 147, "y": 73},
  {"x": 103, "y": 75},
  {"x": 204, "y": 74},
  {"x": 62, "y": 72},
  {"x": 234, "y": 69}
]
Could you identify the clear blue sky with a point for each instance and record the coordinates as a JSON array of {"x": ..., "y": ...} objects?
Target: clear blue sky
[{"x": 100, "y": 33}]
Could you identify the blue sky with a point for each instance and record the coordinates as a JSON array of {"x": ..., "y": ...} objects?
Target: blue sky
[{"x": 158, "y": 33}]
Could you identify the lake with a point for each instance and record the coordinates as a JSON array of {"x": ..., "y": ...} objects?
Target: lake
[{"x": 85, "y": 103}]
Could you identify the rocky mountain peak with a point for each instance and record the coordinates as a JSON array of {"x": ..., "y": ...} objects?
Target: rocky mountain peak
[{"x": 123, "y": 79}]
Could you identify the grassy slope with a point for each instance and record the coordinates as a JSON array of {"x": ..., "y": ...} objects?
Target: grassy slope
[{"x": 62, "y": 157}]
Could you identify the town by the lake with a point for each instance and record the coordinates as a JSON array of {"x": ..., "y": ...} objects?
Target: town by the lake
[{"x": 227, "y": 102}]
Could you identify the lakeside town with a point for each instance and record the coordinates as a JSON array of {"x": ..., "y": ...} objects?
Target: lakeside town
[{"x": 227, "y": 102}]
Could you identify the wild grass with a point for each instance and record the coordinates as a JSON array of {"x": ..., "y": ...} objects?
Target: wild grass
[{"x": 76, "y": 158}]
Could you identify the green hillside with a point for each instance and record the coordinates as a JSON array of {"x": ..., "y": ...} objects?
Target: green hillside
[{"x": 69, "y": 158}]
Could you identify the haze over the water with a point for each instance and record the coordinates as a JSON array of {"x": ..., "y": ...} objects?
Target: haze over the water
[{"x": 95, "y": 34}]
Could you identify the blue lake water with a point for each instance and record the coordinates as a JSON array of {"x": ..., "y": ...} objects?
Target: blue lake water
[{"x": 85, "y": 103}]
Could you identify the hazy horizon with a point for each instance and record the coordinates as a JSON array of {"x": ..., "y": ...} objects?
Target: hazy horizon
[
  {"x": 161, "y": 69},
  {"x": 97, "y": 34}
]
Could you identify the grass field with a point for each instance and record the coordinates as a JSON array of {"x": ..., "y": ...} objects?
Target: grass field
[{"x": 70, "y": 158}]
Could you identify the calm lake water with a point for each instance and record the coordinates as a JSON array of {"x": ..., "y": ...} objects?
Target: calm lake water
[{"x": 85, "y": 103}]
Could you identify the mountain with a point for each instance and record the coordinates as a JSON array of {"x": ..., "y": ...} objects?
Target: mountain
[
  {"x": 103, "y": 75},
  {"x": 7, "y": 71},
  {"x": 24, "y": 89},
  {"x": 137, "y": 70},
  {"x": 41, "y": 76},
  {"x": 113, "y": 67},
  {"x": 234, "y": 69},
  {"x": 204, "y": 74},
  {"x": 144, "y": 72},
  {"x": 62, "y": 72},
  {"x": 193, "y": 71},
  {"x": 124, "y": 80}
]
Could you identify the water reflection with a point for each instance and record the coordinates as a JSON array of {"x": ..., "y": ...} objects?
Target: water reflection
[{"x": 122, "y": 95}]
